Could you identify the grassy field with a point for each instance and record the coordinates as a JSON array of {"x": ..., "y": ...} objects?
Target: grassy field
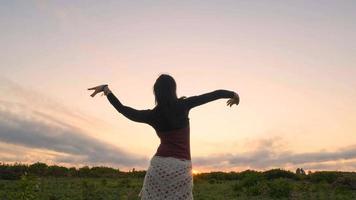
[{"x": 251, "y": 185}]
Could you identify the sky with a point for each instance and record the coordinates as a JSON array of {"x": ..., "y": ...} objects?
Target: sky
[{"x": 291, "y": 62}]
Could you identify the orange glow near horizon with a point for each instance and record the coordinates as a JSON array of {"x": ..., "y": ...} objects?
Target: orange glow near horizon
[{"x": 195, "y": 172}]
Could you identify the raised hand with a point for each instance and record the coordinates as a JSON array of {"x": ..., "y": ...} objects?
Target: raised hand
[
  {"x": 97, "y": 89},
  {"x": 233, "y": 100}
]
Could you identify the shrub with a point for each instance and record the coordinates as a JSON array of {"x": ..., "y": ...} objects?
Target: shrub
[
  {"x": 347, "y": 182},
  {"x": 9, "y": 175},
  {"x": 279, "y": 173},
  {"x": 126, "y": 182},
  {"x": 39, "y": 169},
  {"x": 280, "y": 188},
  {"x": 251, "y": 183},
  {"x": 212, "y": 181},
  {"x": 28, "y": 187},
  {"x": 104, "y": 182},
  {"x": 251, "y": 179},
  {"x": 323, "y": 176}
]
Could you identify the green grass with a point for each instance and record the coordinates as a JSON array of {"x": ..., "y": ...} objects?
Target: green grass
[
  {"x": 70, "y": 188},
  {"x": 251, "y": 186}
]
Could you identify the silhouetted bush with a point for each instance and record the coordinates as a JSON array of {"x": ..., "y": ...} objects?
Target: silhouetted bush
[
  {"x": 7, "y": 174},
  {"x": 278, "y": 173},
  {"x": 57, "y": 171},
  {"x": 324, "y": 176},
  {"x": 250, "y": 178},
  {"x": 40, "y": 169},
  {"x": 15, "y": 171},
  {"x": 12, "y": 172},
  {"x": 212, "y": 181}
]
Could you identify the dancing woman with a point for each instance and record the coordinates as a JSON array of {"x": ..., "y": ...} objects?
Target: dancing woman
[{"x": 169, "y": 175}]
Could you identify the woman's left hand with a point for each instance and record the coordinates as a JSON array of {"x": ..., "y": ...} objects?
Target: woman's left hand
[{"x": 233, "y": 100}]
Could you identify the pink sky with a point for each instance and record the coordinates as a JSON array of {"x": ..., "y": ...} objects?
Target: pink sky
[{"x": 293, "y": 65}]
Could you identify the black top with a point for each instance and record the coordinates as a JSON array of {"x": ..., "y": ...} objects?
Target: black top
[{"x": 175, "y": 117}]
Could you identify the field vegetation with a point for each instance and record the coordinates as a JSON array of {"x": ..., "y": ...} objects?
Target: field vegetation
[{"x": 42, "y": 182}]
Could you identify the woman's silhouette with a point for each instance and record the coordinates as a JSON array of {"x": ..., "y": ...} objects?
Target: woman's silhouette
[{"x": 169, "y": 175}]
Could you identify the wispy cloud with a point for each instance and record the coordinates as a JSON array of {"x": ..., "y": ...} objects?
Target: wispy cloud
[
  {"x": 36, "y": 134},
  {"x": 268, "y": 154},
  {"x": 21, "y": 124},
  {"x": 23, "y": 99}
]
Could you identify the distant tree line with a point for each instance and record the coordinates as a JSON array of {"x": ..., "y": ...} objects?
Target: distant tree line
[
  {"x": 252, "y": 176},
  {"x": 15, "y": 171}
]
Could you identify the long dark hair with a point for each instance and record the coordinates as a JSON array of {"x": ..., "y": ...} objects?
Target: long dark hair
[{"x": 165, "y": 90}]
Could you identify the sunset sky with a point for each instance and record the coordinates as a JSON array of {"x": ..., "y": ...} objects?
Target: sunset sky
[{"x": 292, "y": 63}]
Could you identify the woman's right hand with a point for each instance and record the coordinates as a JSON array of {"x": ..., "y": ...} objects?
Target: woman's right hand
[
  {"x": 97, "y": 89},
  {"x": 233, "y": 100}
]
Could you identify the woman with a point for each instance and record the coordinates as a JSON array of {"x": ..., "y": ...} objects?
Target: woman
[{"x": 169, "y": 175}]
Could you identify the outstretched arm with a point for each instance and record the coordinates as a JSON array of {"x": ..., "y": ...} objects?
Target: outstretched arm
[
  {"x": 194, "y": 101},
  {"x": 131, "y": 113}
]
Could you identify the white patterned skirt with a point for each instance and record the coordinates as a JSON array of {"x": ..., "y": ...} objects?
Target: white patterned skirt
[{"x": 168, "y": 178}]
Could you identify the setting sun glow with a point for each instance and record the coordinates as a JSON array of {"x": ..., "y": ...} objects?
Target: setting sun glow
[{"x": 195, "y": 172}]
